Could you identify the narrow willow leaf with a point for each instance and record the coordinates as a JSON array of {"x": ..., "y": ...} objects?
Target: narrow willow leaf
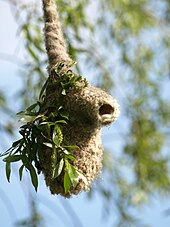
[
  {"x": 18, "y": 150},
  {"x": 16, "y": 143},
  {"x": 53, "y": 161},
  {"x": 20, "y": 172},
  {"x": 64, "y": 113},
  {"x": 67, "y": 182},
  {"x": 13, "y": 158},
  {"x": 66, "y": 152},
  {"x": 71, "y": 157},
  {"x": 25, "y": 112},
  {"x": 7, "y": 152},
  {"x": 32, "y": 53},
  {"x": 48, "y": 145},
  {"x": 27, "y": 119},
  {"x": 71, "y": 146},
  {"x": 43, "y": 89},
  {"x": 34, "y": 177},
  {"x": 45, "y": 136},
  {"x": 61, "y": 122},
  {"x": 8, "y": 170},
  {"x": 21, "y": 113},
  {"x": 57, "y": 135},
  {"x": 32, "y": 171},
  {"x": 32, "y": 106},
  {"x": 44, "y": 123},
  {"x": 59, "y": 168},
  {"x": 74, "y": 176},
  {"x": 56, "y": 140}
]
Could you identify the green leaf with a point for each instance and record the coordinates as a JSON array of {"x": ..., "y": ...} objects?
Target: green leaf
[
  {"x": 71, "y": 147},
  {"x": 57, "y": 135},
  {"x": 32, "y": 106},
  {"x": 16, "y": 143},
  {"x": 13, "y": 158},
  {"x": 27, "y": 119},
  {"x": 53, "y": 161},
  {"x": 56, "y": 139},
  {"x": 34, "y": 177},
  {"x": 32, "y": 53},
  {"x": 32, "y": 171},
  {"x": 71, "y": 157},
  {"x": 43, "y": 89},
  {"x": 73, "y": 174},
  {"x": 20, "y": 172},
  {"x": 44, "y": 123},
  {"x": 64, "y": 113},
  {"x": 7, "y": 152},
  {"x": 8, "y": 170},
  {"x": 67, "y": 182},
  {"x": 59, "y": 168},
  {"x": 63, "y": 92},
  {"x": 61, "y": 122},
  {"x": 25, "y": 112},
  {"x": 65, "y": 151},
  {"x": 48, "y": 145}
]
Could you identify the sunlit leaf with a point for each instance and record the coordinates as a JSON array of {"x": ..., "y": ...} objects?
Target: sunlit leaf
[
  {"x": 56, "y": 140},
  {"x": 73, "y": 174},
  {"x": 48, "y": 145},
  {"x": 57, "y": 135},
  {"x": 71, "y": 157},
  {"x": 59, "y": 168},
  {"x": 61, "y": 122},
  {"x": 66, "y": 151},
  {"x": 67, "y": 182},
  {"x": 63, "y": 92},
  {"x": 27, "y": 119},
  {"x": 71, "y": 146}
]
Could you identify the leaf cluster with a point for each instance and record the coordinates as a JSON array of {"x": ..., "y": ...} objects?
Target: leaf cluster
[
  {"x": 68, "y": 80},
  {"x": 44, "y": 128}
]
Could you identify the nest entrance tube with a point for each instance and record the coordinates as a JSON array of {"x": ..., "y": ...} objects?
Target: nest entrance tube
[{"x": 106, "y": 109}]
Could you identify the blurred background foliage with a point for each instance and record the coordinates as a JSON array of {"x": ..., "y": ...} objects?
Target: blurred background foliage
[{"x": 123, "y": 46}]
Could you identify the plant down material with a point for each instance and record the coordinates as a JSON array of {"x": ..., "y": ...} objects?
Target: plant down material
[{"x": 88, "y": 109}]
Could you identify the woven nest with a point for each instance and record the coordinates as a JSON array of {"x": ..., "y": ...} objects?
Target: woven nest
[{"x": 89, "y": 109}]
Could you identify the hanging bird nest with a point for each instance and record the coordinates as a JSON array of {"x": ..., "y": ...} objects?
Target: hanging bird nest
[
  {"x": 86, "y": 110},
  {"x": 62, "y": 134}
]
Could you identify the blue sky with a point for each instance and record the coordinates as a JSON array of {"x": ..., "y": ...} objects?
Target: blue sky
[{"x": 14, "y": 197}]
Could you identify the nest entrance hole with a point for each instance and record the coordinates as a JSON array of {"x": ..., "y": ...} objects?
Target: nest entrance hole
[{"x": 106, "y": 109}]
